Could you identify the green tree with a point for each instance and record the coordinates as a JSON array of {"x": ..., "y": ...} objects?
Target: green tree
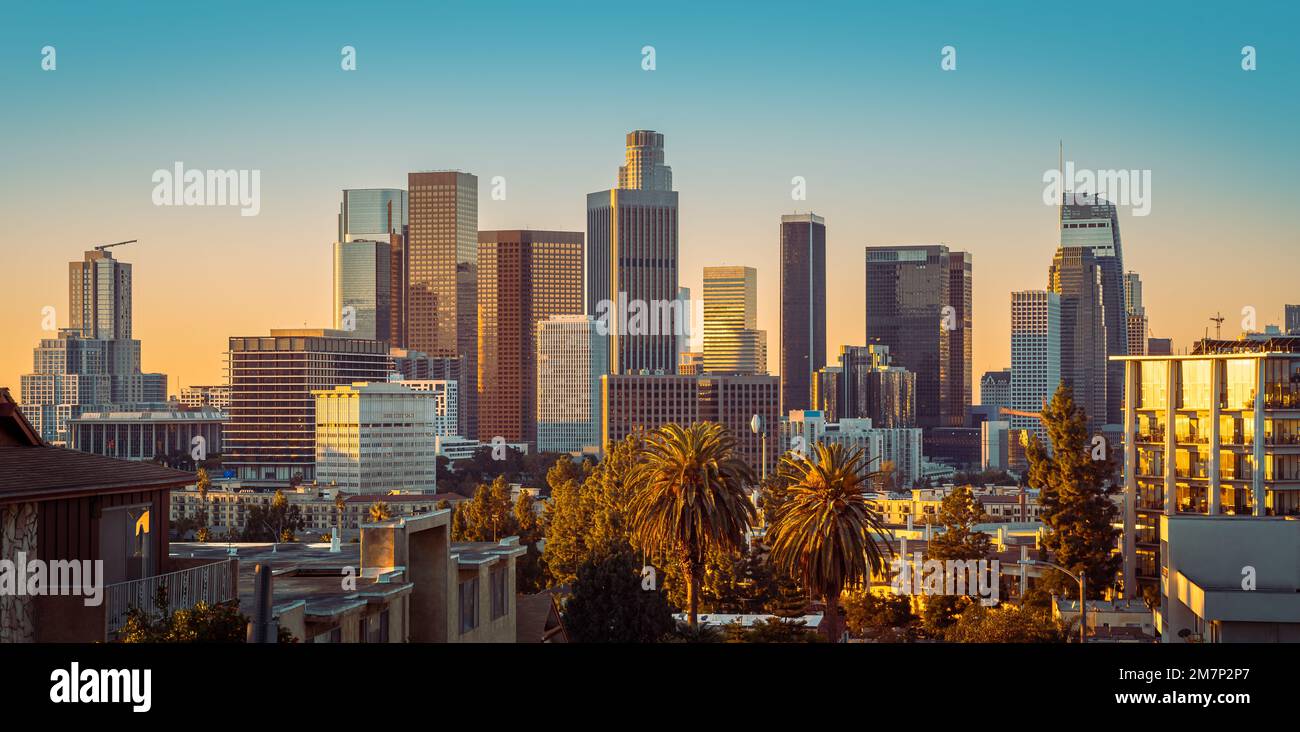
[
  {"x": 772, "y": 630},
  {"x": 941, "y": 613},
  {"x": 340, "y": 502},
  {"x": 608, "y": 604},
  {"x": 690, "y": 498},
  {"x": 958, "y": 514},
  {"x": 529, "y": 573},
  {"x": 488, "y": 516},
  {"x": 868, "y": 612},
  {"x": 1006, "y": 623},
  {"x": 203, "y": 485},
  {"x": 1075, "y": 498},
  {"x": 585, "y": 519},
  {"x": 380, "y": 511},
  {"x": 828, "y": 535},
  {"x": 279, "y": 521},
  {"x": 203, "y": 623}
]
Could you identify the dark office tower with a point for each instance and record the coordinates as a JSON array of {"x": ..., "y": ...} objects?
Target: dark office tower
[
  {"x": 1090, "y": 222},
  {"x": 524, "y": 277},
  {"x": 803, "y": 307},
  {"x": 959, "y": 338},
  {"x": 1292, "y": 319},
  {"x": 363, "y": 295},
  {"x": 1076, "y": 277},
  {"x": 442, "y": 273},
  {"x": 379, "y": 214},
  {"x": 632, "y": 261},
  {"x": 911, "y": 310}
]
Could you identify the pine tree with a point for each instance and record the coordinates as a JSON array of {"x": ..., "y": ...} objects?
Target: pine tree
[
  {"x": 1075, "y": 499},
  {"x": 608, "y": 604},
  {"x": 958, "y": 514}
]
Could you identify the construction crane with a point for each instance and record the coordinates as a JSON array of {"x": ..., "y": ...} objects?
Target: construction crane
[
  {"x": 102, "y": 247},
  {"x": 1217, "y": 318}
]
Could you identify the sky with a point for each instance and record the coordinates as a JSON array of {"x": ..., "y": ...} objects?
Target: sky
[{"x": 851, "y": 97}]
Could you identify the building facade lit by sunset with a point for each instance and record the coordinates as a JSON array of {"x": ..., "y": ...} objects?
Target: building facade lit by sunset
[
  {"x": 733, "y": 344},
  {"x": 1035, "y": 356},
  {"x": 571, "y": 357},
  {"x": 1215, "y": 432}
]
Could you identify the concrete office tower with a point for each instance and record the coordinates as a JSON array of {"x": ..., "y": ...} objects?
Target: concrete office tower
[
  {"x": 914, "y": 308},
  {"x": 803, "y": 307},
  {"x": 524, "y": 277},
  {"x": 442, "y": 274},
  {"x": 375, "y": 437},
  {"x": 732, "y": 342},
  {"x": 99, "y": 296},
  {"x": 1035, "y": 355},
  {"x": 1136, "y": 315},
  {"x": 995, "y": 391},
  {"x": 270, "y": 436},
  {"x": 640, "y": 402},
  {"x": 1292, "y": 319},
  {"x": 1090, "y": 222},
  {"x": 380, "y": 214},
  {"x": 632, "y": 261},
  {"x": 93, "y": 365},
  {"x": 960, "y": 343},
  {"x": 572, "y": 355},
  {"x": 446, "y": 401},
  {"x": 363, "y": 296},
  {"x": 1212, "y": 433},
  {"x": 1076, "y": 278}
]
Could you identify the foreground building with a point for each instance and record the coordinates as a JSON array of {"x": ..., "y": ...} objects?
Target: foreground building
[{"x": 1212, "y": 433}]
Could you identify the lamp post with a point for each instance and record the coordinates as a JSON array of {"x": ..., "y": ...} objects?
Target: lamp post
[
  {"x": 757, "y": 425},
  {"x": 1082, "y": 579}
]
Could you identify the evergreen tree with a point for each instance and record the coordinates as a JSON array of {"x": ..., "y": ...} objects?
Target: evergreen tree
[
  {"x": 608, "y": 604},
  {"x": 958, "y": 514},
  {"x": 1075, "y": 499}
]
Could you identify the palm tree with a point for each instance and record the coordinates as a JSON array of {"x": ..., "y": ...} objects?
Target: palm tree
[
  {"x": 204, "y": 484},
  {"x": 339, "y": 504},
  {"x": 379, "y": 511},
  {"x": 828, "y": 534},
  {"x": 690, "y": 498}
]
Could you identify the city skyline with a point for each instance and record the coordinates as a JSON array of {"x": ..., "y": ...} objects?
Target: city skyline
[{"x": 728, "y": 202}]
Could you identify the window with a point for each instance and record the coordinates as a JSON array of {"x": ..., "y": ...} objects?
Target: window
[
  {"x": 500, "y": 600},
  {"x": 468, "y": 605}
]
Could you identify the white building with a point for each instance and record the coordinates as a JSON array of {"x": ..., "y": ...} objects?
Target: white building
[
  {"x": 376, "y": 437},
  {"x": 994, "y": 445},
  {"x": 1035, "y": 355},
  {"x": 446, "y": 401},
  {"x": 571, "y": 357},
  {"x": 899, "y": 445}
]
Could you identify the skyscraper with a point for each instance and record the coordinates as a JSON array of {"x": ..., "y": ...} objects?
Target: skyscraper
[
  {"x": 1035, "y": 355},
  {"x": 442, "y": 274},
  {"x": 960, "y": 330},
  {"x": 1292, "y": 319},
  {"x": 271, "y": 435},
  {"x": 866, "y": 385},
  {"x": 995, "y": 392},
  {"x": 632, "y": 261},
  {"x": 803, "y": 307},
  {"x": 571, "y": 357},
  {"x": 363, "y": 293},
  {"x": 732, "y": 342},
  {"x": 1076, "y": 277},
  {"x": 1088, "y": 221},
  {"x": 1136, "y": 315},
  {"x": 914, "y": 308},
  {"x": 93, "y": 365},
  {"x": 380, "y": 214},
  {"x": 524, "y": 277}
]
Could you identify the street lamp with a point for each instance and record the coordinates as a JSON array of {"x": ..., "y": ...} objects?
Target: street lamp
[
  {"x": 1082, "y": 579},
  {"x": 757, "y": 425}
]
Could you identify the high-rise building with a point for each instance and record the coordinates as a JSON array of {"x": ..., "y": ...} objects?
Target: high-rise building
[
  {"x": 1091, "y": 222},
  {"x": 867, "y": 386},
  {"x": 1076, "y": 277},
  {"x": 1035, "y": 355},
  {"x": 524, "y": 277},
  {"x": 375, "y": 437},
  {"x": 914, "y": 308},
  {"x": 803, "y": 307},
  {"x": 1293, "y": 319},
  {"x": 732, "y": 401},
  {"x": 732, "y": 342},
  {"x": 363, "y": 296},
  {"x": 1135, "y": 315},
  {"x": 380, "y": 214},
  {"x": 442, "y": 274},
  {"x": 446, "y": 402},
  {"x": 1208, "y": 433},
  {"x": 216, "y": 396},
  {"x": 94, "y": 365},
  {"x": 633, "y": 403},
  {"x": 632, "y": 259},
  {"x": 960, "y": 329},
  {"x": 995, "y": 391},
  {"x": 571, "y": 357},
  {"x": 270, "y": 437},
  {"x": 899, "y": 447}
]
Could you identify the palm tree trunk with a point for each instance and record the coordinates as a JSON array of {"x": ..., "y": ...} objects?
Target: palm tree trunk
[
  {"x": 692, "y": 594},
  {"x": 831, "y": 617}
]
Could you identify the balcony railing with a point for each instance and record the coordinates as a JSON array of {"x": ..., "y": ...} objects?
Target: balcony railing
[{"x": 209, "y": 583}]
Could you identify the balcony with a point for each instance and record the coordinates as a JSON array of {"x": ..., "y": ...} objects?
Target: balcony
[{"x": 209, "y": 583}]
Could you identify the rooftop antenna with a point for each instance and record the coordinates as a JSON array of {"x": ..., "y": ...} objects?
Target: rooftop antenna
[{"x": 1218, "y": 325}]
